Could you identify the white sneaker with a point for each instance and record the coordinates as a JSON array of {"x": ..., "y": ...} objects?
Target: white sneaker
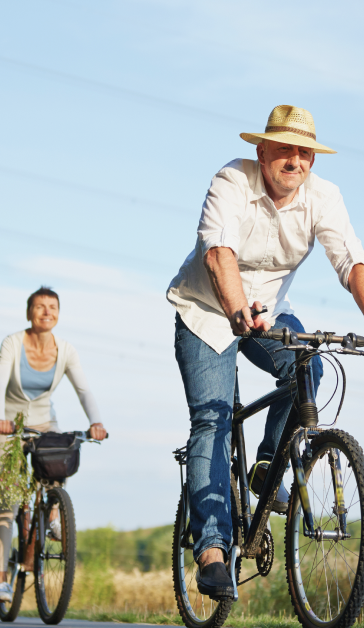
[
  {"x": 56, "y": 529},
  {"x": 6, "y": 592}
]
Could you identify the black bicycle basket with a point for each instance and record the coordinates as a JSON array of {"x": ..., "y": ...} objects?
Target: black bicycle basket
[{"x": 54, "y": 456}]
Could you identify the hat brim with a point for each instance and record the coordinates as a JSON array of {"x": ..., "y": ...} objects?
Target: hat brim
[{"x": 289, "y": 138}]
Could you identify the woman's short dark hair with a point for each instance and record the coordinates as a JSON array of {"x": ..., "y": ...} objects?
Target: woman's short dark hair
[{"x": 43, "y": 291}]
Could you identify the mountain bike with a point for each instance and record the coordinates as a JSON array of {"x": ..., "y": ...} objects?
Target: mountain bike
[
  {"x": 324, "y": 546},
  {"x": 35, "y": 547}
]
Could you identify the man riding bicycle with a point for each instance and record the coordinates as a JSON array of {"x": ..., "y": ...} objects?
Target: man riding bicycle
[
  {"x": 32, "y": 363},
  {"x": 258, "y": 224}
]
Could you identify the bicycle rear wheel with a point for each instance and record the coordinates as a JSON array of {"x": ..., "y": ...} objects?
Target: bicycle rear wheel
[
  {"x": 9, "y": 611},
  {"x": 197, "y": 609},
  {"x": 326, "y": 577},
  {"x": 54, "y": 566}
]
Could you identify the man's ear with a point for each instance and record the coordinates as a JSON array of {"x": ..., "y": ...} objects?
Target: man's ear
[
  {"x": 312, "y": 160},
  {"x": 260, "y": 153}
]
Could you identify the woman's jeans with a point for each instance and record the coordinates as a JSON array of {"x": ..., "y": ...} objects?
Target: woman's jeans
[{"x": 209, "y": 380}]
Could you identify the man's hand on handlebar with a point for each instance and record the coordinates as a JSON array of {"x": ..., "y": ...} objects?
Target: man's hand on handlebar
[
  {"x": 7, "y": 427},
  {"x": 243, "y": 320},
  {"x": 97, "y": 431}
]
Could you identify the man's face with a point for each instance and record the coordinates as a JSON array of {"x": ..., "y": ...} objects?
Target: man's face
[{"x": 285, "y": 166}]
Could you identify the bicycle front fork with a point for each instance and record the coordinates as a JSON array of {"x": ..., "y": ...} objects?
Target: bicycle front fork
[{"x": 334, "y": 459}]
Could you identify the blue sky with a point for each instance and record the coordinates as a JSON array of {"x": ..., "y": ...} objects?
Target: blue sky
[{"x": 115, "y": 116}]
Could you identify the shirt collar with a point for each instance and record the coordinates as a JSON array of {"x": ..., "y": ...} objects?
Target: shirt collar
[{"x": 259, "y": 191}]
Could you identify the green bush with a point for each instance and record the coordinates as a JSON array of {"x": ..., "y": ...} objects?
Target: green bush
[{"x": 143, "y": 549}]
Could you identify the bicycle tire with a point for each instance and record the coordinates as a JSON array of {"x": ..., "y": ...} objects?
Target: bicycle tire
[
  {"x": 9, "y": 612},
  {"x": 53, "y": 577},
  {"x": 326, "y": 577},
  {"x": 191, "y": 604}
]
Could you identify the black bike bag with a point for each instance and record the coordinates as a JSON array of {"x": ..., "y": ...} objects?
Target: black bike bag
[{"x": 54, "y": 456}]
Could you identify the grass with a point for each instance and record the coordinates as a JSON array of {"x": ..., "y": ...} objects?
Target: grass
[
  {"x": 126, "y": 577},
  {"x": 112, "y": 576},
  {"x": 235, "y": 621}
]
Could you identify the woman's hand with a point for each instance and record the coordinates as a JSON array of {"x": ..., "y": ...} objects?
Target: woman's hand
[
  {"x": 7, "y": 427},
  {"x": 97, "y": 431}
]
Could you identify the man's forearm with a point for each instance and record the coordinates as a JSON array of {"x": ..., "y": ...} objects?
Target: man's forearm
[
  {"x": 226, "y": 283},
  {"x": 225, "y": 279},
  {"x": 356, "y": 284}
]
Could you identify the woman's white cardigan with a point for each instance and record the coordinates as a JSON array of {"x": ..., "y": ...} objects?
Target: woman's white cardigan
[{"x": 40, "y": 410}]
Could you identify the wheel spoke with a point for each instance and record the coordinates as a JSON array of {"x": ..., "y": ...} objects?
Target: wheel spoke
[{"x": 325, "y": 570}]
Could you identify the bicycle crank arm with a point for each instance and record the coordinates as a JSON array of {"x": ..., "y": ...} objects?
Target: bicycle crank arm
[
  {"x": 235, "y": 553},
  {"x": 17, "y": 567}
]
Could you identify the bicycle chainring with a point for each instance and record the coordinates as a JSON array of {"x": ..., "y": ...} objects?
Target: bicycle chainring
[{"x": 265, "y": 559}]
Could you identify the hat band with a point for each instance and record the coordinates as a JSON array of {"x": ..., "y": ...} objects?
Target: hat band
[{"x": 289, "y": 129}]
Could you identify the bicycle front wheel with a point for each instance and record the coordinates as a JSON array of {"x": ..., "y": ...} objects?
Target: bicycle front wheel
[
  {"x": 9, "y": 611},
  {"x": 54, "y": 565},
  {"x": 198, "y": 610},
  {"x": 326, "y": 575}
]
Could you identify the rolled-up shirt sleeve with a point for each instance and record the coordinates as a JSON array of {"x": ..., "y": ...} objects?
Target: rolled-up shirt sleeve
[
  {"x": 336, "y": 234},
  {"x": 6, "y": 364},
  {"x": 78, "y": 380},
  {"x": 222, "y": 211}
]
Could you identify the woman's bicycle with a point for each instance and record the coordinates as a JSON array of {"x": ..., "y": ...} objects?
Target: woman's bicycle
[
  {"x": 47, "y": 550},
  {"x": 324, "y": 546}
]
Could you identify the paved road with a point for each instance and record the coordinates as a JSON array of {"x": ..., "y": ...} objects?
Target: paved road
[{"x": 35, "y": 622}]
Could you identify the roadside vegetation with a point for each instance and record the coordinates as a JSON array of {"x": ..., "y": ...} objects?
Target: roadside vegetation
[{"x": 126, "y": 577}]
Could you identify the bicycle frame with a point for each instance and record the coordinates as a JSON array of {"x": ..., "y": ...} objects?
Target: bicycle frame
[
  {"x": 301, "y": 423},
  {"x": 253, "y": 527},
  {"x": 35, "y": 536}
]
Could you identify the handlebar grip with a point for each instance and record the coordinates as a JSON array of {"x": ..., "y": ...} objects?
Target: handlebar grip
[
  {"x": 360, "y": 341},
  {"x": 88, "y": 434},
  {"x": 271, "y": 334}
]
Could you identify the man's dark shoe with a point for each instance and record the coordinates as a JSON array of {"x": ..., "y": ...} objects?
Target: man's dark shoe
[
  {"x": 280, "y": 503},
  {"x": 214, "y": 581}
]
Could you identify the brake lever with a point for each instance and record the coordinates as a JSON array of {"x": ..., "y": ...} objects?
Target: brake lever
[
  {"x": 349, "y": 352},
  {"x": 298, "y": 347}
]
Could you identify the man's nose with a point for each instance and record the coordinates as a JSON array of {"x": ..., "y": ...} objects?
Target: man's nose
[{"x": 294, "y": 160}]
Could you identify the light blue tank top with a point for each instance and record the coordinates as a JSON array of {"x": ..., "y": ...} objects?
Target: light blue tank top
[{"x": 33, "y": 382}]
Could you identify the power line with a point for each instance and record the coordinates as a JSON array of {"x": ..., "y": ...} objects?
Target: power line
[
  {"x": 80, "y": 187},
  {"x": 134, "y": 94},
  {"x": 121, "y": 91},
  {"x": 62, "y": 243}
]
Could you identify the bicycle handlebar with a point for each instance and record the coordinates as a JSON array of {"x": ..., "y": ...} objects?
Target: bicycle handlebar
[
  {"x": 29, "y": 432},
  {"x": 86, "y": 436},
  {"x": 318, "y": 338}
]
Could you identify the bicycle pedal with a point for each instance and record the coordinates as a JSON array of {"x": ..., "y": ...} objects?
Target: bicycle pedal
[{"x": 223, "y": 598}]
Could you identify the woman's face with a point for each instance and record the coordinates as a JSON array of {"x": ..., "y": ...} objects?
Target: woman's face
[{"x": 44, "y": 313}]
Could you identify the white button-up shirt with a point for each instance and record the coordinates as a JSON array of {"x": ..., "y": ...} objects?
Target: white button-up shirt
[{"x": 269, "y": 245}]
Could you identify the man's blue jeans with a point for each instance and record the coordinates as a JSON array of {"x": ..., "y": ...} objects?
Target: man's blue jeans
[{"x": 209, "y": 380}]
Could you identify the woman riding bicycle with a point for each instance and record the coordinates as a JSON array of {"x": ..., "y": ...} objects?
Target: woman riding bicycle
[{"x": 32, "y": 363}]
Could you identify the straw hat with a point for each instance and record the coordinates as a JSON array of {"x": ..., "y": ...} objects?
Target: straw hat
[{"x": 290, "y": 125}]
